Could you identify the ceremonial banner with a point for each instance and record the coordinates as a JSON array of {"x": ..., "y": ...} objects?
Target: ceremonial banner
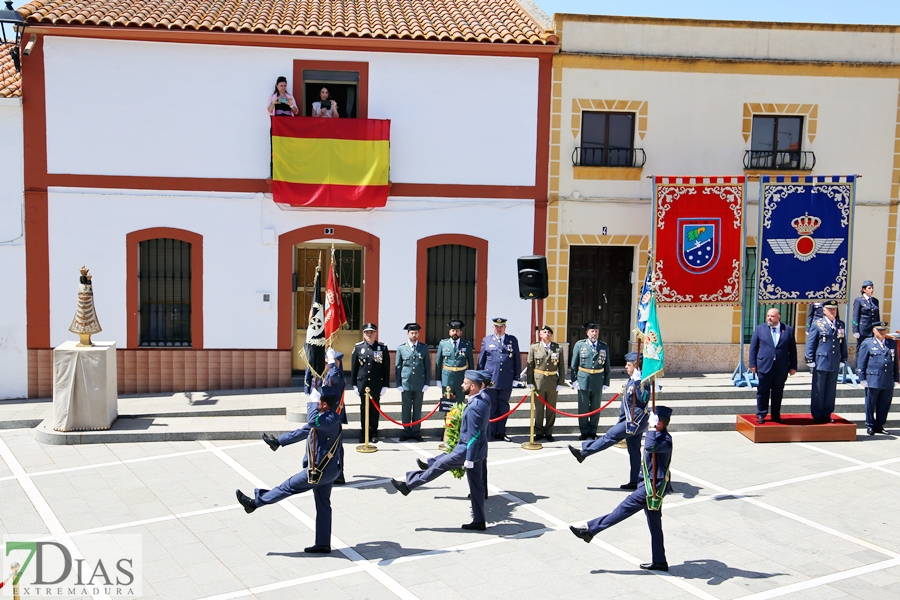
[
  {"x": 330, "y": 163},
  {"x": 654, "y": 355},
  {"x": 335, "y": 316},
  {"x": 698, "y": 240},
  {"x": 805, "y": 234},
  {"x": 313, "y": 351},
  {"x": 646, "y": 293}
]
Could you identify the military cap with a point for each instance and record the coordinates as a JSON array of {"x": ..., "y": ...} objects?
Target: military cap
[
  {"x": 412, "y": 327},
  {"x": 547, "y": 328},
  {"x": 456, "y": 324},
  {"x": 329, "y": 394},
  {"x": 338, "y": 355},
  {"x": 499, "y": 320},
  {"x": 591, "y": 325},
  {"x": 867, "y": 283},
  {"x": 631, "y": 357},
  {"x": 880, "y": 325},
  {"x": 830, "y": 304},
  {"x": 663, "y": 412},
  {"x": 478, "y": 376},
  {"x": 370, "y": 327}
]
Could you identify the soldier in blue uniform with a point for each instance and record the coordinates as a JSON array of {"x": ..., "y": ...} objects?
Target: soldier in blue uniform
[
  {"x": 630, "y": 427},
  {"x": 826, "y": 353},
  {"x": 865, "y": 313},
  {"x": 369, "y": 368},
  {"x": 454, "y": 357},
  {"x": 334, "y": 380},
  {"x": 590, "y": 376},
  {"x": 879, "y": 372},
  {"x": 470, "y": 452},
  {"x": 658, "y": 442},
  {"x": 412, "y": 374},
  {"x": 500, "y": 356},
  {"x": 321, "y": 466}
]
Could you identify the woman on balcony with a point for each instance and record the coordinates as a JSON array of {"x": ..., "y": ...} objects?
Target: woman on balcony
[
  {"x": 282, "y": 104},
  {"x": 325, "y": 108}
]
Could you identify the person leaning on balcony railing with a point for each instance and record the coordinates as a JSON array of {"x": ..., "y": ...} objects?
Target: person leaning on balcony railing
[
  {"x": 325, "y": 108},
  {"x": 282, "y": 104}
]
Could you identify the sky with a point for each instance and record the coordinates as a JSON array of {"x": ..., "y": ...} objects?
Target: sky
[{"x": 869, "y": 12}]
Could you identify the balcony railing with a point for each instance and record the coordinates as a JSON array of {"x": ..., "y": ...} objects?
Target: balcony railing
[
  {"x": 787, "y": 160},
  {"x": 608, "y": 157}
]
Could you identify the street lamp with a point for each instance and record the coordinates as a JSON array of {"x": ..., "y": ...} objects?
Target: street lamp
[{"x": 11, "y": 17}]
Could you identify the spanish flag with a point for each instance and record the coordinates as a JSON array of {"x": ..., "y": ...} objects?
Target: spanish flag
[{"x": 330, "y": 163}]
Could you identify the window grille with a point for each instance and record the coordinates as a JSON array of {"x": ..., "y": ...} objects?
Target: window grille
[
  {"x": 451, "y": 290},
  {"x": 164, "y": 292}
]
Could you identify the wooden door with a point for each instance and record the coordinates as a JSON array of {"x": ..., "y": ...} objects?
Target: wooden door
[{"x": 600, "y": 290}]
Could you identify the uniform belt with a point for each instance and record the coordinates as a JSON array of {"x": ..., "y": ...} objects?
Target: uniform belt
[
  {"x": 455, "y": 369},
  {"x": 591, "y": 371},
  {"x": 546, "y": 373}
]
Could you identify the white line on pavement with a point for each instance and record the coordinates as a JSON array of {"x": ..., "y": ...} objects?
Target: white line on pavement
[
  {"x": 847, "y": 458},
  {"x": 285, "y": 584},
  {"x": 824, "y": 580}
]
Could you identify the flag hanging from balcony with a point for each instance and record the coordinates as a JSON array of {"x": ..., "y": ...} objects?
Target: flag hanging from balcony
[
  {"x": 330, "y": 163},
  {"x": 698, "y": 240},
  {"x": 805, "y": 236}
]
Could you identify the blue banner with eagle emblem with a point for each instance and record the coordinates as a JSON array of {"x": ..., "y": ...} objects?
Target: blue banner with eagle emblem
[{"x": 805, "y": 237}]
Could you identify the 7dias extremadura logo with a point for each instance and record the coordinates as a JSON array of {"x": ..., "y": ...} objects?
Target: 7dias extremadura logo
[{"x": 62, "y": 566}]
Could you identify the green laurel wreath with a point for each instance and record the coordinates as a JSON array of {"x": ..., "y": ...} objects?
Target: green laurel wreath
[{"x": 452, "y": 424}]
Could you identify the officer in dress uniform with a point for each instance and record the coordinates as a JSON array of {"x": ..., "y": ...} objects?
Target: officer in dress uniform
[
  {"x": 500, "y": 356},
  {"x": 865, "y": 313},
  {"x": 470, "y": 452},
  {"x": 454, "y": 357},
  {"x": 826, "y": 353},
  {"x": 370, "y": 369},
  {"x": 412, "y": 374},
  {"x": 878, "y": 370},
  {"x": 630, "y": 427},
  {"x": 590, "y": 376},
  {"x": 334, "y": 379},
  {"x": 658, "y": 442},
  {"x": 546, "y": 372},
  {"x": 321, "y": 465}
]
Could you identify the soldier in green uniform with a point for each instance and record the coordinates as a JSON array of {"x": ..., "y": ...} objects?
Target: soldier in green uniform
[
  {"x": 546, "y": 374},
  {"x": 412, "y": 372},
  {"x": 590, "y": 376},
  {"x": 454, "y": 357}
]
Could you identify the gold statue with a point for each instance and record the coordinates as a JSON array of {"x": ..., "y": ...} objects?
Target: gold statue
[{"x": 85, "y": 322}]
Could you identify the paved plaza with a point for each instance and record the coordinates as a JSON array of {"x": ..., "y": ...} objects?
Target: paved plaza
[{"x": 745, "y": 521}]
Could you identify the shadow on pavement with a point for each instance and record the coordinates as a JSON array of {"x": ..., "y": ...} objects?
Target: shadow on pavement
[{"x": 714, "y": 571}]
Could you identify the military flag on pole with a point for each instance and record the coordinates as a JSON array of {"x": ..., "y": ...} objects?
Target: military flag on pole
[
  {"x": 335, "y": 315},
  {"x": 314, "y": 349},
  {"x": 654, "y": 354}
]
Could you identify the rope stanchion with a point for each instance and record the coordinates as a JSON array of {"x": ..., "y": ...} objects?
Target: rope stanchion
[
  {"x": 422, "y": 420},
  {"x": 581, "y": 415},
  {"x": 514, "y": 408},
  {"x": 367, "y": 448}
]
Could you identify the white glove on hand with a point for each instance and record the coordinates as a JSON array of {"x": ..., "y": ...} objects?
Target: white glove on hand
[
  {"x": 605, "y": 387},
  {"x": 856, "y": 335},
  {"x": 654, "y": 420},
  {"x": 560, "y": 388},
  {"x": 424, "y": 388},
  {"x": 469, "y": 464},
  {"x": 810, "y": 365},
  {"x": 841, "y": 366},
  {"x": 865, "y": 383},
  {"x": 897, "y": 384},
  {"x": 575, "y": 385},
  {"x": 356, "y": 391},
  {"x": 314, "y": 395},
  {"x": 383, "y": 391}
]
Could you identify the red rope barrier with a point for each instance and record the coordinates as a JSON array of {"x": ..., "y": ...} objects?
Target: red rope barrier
[
  {"x": 565, "y": 414},
  {"x": 425, "y": 418},
  {"x": 514, "y": 408}
]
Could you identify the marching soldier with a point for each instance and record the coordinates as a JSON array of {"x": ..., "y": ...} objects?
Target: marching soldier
[
  {"x": 590, "y": 376},
  {"x": 334, "y": 379},
  {"x": 500, "y": 356},
  {"x": 546, "y": 373},
  {"x": 865, "y": 313},
  {"x": 826, "y": 353},
  {"x": 454, "y": 357},
  {"x": 658, "y": 442},
  {"x": 369, "y": 369},
  {"x": 631, "y": 425},
  {"x": 878, "y": 370},
  {"x": 412, "y": 374}
]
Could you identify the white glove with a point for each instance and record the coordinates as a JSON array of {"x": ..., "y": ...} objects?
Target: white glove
[
  {"x": 560, "y": 388},
  {"x": 605, "y": 387},
  {"x": 469, "y": 464},
  {"x": 356, "y": 391},
  {"x": 424, "y": 388},
  {"x": 811, "y": 365},
  {"x": 383, "y": 391},
  {"x": 856, "y": 335},
  {"x": 841, "y": 366},
  {"x": 575, "y": 385},
  {"x": 865, "y": 383},
  {"x": 897, "y": 384},
  {"x": 654, "y": 420},
  {"x": 314, "y": 395}
]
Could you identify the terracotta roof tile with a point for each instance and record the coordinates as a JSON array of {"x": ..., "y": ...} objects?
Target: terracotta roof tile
[
  {"x": 503, "y": 21},
  {"x": 10, "y": 81}
]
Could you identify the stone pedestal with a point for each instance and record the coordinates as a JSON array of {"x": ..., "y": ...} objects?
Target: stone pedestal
[{"x": 85, "y": 386}]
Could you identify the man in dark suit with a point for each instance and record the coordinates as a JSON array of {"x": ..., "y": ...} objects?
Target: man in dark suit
[
  {"x": 773, "y": 356},
  {"x": 370, "y": 368}
]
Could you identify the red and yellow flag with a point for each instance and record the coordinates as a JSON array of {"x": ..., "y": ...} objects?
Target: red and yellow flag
[{"x": 330, "y": 163}]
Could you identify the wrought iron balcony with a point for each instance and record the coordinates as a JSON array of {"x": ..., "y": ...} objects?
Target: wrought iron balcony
[
  {"x": 608, "y": 157},
  {"x": 787, "y": 160}
]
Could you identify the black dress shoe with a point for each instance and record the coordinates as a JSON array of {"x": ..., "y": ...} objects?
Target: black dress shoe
[
  {"x": 576, "y": 453},
  {"x": 760, "y": 420},
  {"x": 655, "y": 566},
  {"x": 581, "y": 532},
  {"x": 776, "y": 419},
  {"x": 582, "y": 437},
  {"x": 870, "y": 431},
  {"x": 475, "y": 526},
  {"x": 271, "y": 441},
  {"x": 593, "y": 436},
  {"x": 505, "y": 438},
  {"x": 373, "y": 440},
  {"x": 340, "y": 481},
  {"x": 401, "y": 486},
  {"x": 629, "y": 486},
  {"x": 422, "y": 464},
  {"x": 246, "y": 501},
  {"x": 549, "y": 438},
  {"x": 318, "y": 549},
  {"x": 418, "y": 438},
  {"x": 880, "y": 430}
]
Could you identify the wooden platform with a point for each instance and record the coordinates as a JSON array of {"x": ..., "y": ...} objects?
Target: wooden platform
[{"x": 796, "y": 428}]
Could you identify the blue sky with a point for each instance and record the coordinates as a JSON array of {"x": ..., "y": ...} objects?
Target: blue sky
[{"x": 872, "y": 12}]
